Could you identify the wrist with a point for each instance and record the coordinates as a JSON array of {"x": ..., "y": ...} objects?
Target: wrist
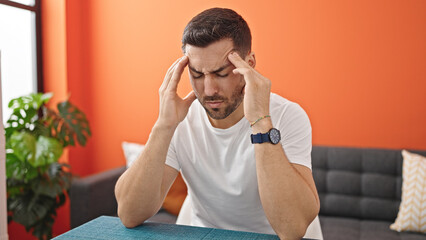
[
  {"x": 164, "y": 128},
  {"x": 262, "y": 126}
]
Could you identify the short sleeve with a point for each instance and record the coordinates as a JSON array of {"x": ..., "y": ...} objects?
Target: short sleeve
[
  {"x": 171, "y": 158},
  {"x": 296, "y": 135}
]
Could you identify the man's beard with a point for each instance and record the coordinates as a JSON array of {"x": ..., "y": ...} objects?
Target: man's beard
[{"x": 217, "y": 113}]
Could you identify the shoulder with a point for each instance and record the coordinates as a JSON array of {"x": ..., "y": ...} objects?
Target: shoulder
[
  {"x": 289, "y": 116},
  {"x": 282, "y": 107},
  {"x": 296, "y": 131}
]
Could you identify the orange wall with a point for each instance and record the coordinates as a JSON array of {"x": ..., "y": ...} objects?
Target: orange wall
[{"x": 356, "y": 67}]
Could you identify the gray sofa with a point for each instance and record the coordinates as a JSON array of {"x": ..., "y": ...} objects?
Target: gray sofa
[{"x": 359, "y": 189}]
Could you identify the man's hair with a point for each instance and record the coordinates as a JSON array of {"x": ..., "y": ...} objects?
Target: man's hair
[{"x": 216, "y": 24}]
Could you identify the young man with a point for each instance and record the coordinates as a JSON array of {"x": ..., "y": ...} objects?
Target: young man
[{"x": 244, "y": 153}]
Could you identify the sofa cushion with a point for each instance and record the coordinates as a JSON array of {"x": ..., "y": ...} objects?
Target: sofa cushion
[
  {"x": 336, "y": 228},
  {"x": 361, "y": 183},
  {"x": 412, "y": 211},
  {"x": 131, "y": 151}
]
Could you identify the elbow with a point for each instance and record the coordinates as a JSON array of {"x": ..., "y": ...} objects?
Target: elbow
[
  {"x": 130, "y": 220},
  {"x": 127, "y": 220},
  {"x": 132, "y": 216},
  {"x": 130, "y": 210},
  {"x": 304, "y": 223},
  {"x": 128, "y": 223},
  {"x": 298, "y": 227},
  {"x": 297, "y": 232},
  {"x": 301, "y": 231}
]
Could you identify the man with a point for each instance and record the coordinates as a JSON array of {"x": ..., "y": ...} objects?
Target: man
[{"x": 241, "y": 174}]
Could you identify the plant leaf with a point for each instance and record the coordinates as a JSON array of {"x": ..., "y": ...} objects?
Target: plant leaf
[
  {"x": 33, "y": 100},
  {"x": 75, "y": 124},
  {"x": 15, "y": 187},
  {"x": 23, "y": 145},
  {"x": 57, "y": 182},
  {"x": 41, "y": 128},
  {"x": 29, "y": 208},
  {"x": 35, "y": 138},
  {"x": 25, "y": 112},
  {"x": 48, "y": 150},
  {"x": 51, "y": 189},
  {"x": 15, "y": 168},
  {"x": 22, "y": 119}
]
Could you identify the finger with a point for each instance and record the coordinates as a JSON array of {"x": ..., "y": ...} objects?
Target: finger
[
  {"x": 169, "y": 74},
  {"x": 177, "y": 73},
  {"x": 242, "y": 71},
  {"x": 237, "y": 61},
  {"x": 248, "y": 72}
]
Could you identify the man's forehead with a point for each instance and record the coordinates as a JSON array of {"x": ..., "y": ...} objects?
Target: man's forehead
[
  {"x": 205, "y": 66},
  {"x": 209, "y": 58},
  {"x": 212, "y": 70},
  {"x": 224, "y": 44}
]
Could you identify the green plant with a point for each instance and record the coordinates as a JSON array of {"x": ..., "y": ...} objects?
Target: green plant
[{"x": 35, "y": 138}]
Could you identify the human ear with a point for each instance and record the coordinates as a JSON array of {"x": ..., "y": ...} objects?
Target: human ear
[{"x": 251, "y": 59}]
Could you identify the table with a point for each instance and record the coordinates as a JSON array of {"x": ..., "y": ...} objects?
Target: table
[{"x": 111, "y": 228}]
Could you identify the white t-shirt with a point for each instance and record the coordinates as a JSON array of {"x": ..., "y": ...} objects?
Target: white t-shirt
[{"x": 218, "y": 165}]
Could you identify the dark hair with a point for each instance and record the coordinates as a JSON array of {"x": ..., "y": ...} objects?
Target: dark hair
[{"x": 216, "y": 24}]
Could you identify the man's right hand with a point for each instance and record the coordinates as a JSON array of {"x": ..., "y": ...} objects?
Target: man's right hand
[
  {"x": 141, "y": 189},
  {"x": 173, "y": 109}
]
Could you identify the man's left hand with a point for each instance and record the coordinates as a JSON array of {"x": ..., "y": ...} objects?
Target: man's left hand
[{"x": 257, "y": 89}]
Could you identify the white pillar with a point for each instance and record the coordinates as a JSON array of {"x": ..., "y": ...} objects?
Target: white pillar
[{"x": 3, "y": 207}]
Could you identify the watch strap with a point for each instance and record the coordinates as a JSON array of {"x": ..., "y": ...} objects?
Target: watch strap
[{"x": 260, "y": 138}]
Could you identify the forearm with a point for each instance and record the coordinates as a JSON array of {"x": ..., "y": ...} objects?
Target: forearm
[
  {"x": 139, "y": 190},
  {"x": 289, "y": 202}
]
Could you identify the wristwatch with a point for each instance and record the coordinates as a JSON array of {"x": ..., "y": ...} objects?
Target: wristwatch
[{"x": 273, "y": 136}]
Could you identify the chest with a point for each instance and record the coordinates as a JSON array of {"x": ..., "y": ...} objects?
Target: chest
[{"x": 222, "y": 163}]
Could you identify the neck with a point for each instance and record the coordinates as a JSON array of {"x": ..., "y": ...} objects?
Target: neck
[{"x": 229, "y": 121}]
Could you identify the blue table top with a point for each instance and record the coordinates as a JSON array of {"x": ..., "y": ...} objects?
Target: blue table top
[{"x": 111, "y": 228}]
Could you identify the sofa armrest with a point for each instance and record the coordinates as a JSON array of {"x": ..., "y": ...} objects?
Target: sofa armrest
[{"x": 93, "y": 196}]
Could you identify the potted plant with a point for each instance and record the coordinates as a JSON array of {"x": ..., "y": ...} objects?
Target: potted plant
[{"x": 35, "y": 138}]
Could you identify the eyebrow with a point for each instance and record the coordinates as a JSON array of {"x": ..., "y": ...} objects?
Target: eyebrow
[{"x": 214, "y": 71}]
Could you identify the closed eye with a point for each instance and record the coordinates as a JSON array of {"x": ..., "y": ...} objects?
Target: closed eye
[
  {"x": 197, "y": 77},
  {"x": 222, "y": 76}
]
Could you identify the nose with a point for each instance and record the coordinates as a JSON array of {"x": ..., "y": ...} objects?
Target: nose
[{"x": 210, "y": 85}]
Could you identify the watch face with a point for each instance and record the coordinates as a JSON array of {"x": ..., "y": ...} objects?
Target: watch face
[{"x": 274, "y": 135}]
